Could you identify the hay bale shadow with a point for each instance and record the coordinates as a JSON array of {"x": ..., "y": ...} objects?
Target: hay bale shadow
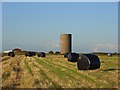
[{"x": 111, "y": 69}]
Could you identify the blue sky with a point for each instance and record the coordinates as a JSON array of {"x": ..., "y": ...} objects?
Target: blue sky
[
  {"x": 0, "y": 27},
  {"x": 60, "y": 0},
  {"x": 37, "y": 26}
]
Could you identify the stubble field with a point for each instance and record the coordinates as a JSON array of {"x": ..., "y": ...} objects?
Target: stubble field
[{"x": 54, "y": 71}]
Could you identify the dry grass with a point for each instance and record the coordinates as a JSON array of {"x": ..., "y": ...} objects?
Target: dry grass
[{"x": 55, "y": 71}]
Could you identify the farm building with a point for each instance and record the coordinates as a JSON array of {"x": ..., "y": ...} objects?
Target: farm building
[
  {"x": 16, "y": 50},
  {"x": 7, "y": 51}
]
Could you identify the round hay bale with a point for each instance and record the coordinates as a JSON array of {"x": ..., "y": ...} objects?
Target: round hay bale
[
  {"x": 12, "y": 54},
  {"x": 88, "y": 62},
  {"x": 30, "y": 54},
  {"x": 57, "y": 53},
  {"x": 110, "y": 55},
  {"x": 38, "y": 54},
  {"x": 33, "y": 53},
  {"x": 50, "y": 52},
  {"x": 41, "y": 54},
  {"x": 72, "y": 57},
  {"x": 26, "y": 54},
  {"x": 66, "y": 55}
]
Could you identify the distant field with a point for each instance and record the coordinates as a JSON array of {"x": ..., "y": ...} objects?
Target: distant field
[{"x": 55, "y": 71}]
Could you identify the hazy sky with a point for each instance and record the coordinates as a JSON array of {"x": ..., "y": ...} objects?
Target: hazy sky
[{"x": 37, "y": 26}]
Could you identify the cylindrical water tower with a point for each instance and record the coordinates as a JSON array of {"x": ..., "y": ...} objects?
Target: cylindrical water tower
[{"x": 66, "y": 43}]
